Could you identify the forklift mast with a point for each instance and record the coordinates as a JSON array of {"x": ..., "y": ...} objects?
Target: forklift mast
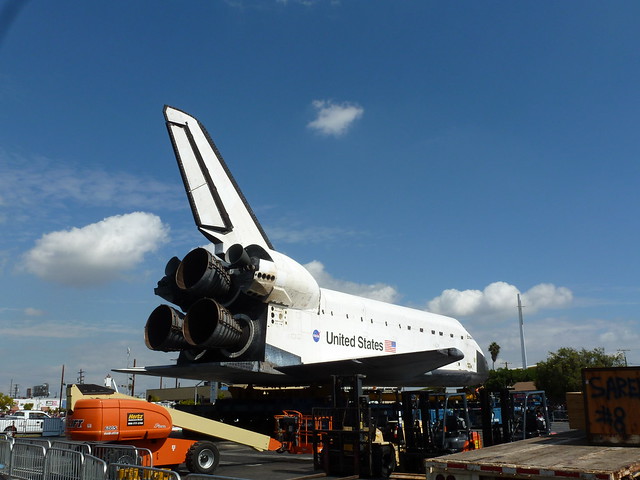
[
  {"x": 350, "y": 443},
  {"x": 434, "y": 424}
]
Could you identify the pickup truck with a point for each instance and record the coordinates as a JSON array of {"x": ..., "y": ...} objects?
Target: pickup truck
[{"x": 23, "y": 421}]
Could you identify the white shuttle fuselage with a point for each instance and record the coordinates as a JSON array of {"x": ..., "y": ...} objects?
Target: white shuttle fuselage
[{"x": 346, "y": 326}]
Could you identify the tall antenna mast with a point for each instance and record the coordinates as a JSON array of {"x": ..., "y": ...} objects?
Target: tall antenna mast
[{"x": 522, "y": 347}]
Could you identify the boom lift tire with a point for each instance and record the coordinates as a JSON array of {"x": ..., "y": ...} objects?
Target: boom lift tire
[
  {"x": 126, "y": 459},
  {"x": 203, "y": 457}
]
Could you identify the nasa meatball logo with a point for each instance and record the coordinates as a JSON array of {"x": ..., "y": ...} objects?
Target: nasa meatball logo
[{"x": 316, "y": 336}]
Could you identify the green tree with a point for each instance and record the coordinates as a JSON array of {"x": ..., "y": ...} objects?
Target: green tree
[
  {"x": 494, "y": 350},
  {"x": 505, "y": 378},
  {"x": 561, "y": 372},
  {"x": 6, "y": 402}
]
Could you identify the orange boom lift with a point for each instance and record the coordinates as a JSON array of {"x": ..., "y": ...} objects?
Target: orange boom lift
[{"x": 127, "y": 420}]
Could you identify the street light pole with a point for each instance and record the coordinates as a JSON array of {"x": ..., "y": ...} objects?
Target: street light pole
[{"x": 522, "y": 346}]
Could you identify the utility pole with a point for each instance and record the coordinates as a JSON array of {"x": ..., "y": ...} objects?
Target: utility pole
[
  {"x": 623, "y": 352},
  {"x": 522, "y": 346},
  {"x": 133, "y": 380},
  {"x": 61, "y": 388}
]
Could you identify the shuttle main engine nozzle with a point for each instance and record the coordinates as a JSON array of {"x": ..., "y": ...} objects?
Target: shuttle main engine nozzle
[
  {"x": 163, "y": 330},
  {"x": 209, "y": 325},
  {"x": 202, "y": 275}
]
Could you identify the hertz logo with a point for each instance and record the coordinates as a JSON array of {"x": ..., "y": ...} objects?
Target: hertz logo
[{"x": 135, "y": 419}]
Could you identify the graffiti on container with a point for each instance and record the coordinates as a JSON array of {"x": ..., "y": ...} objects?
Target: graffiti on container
[
  {"x": 614, "y": 419},
  {"x": 615, "y": 387},
  {"x": 611, "y": 395}
]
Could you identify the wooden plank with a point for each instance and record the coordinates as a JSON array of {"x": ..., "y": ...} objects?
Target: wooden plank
[
  {"x": 565, "y": 451},
  {"x": 575, "y": 410}
]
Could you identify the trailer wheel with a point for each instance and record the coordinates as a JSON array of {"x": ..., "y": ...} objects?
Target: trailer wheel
[
  {"x": 203, "y": 457},
  {"x": 10, "y": 431}
]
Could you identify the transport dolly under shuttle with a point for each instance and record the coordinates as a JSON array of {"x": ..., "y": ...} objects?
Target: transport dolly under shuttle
[{"x": 149, "y": 426}]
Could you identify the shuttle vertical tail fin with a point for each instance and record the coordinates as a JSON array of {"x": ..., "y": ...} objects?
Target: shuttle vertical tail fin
[{"x": 219, "y": 208}]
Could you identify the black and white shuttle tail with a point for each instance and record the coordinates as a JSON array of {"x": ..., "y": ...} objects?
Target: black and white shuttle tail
[{"x": 219, "y": 208}]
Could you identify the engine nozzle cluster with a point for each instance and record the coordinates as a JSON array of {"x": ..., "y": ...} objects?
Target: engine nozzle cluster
[{"x": 203, "y": 285}]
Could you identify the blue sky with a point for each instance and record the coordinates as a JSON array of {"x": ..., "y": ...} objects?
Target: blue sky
[{"x": 440, "y": 155}]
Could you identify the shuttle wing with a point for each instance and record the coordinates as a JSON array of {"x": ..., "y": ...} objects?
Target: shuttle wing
[
  {"x": 255, "y": 373},
  {"x": 380, "y": 370},
  {"x": 406, "y": 368}
]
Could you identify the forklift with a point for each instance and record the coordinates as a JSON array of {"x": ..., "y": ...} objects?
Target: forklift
[
  {"x": 513, "y": 415},
  {"x": 434, "y": 424},
  {"x": 529, "y": 415},
  {"x": 346, "y": 438}
]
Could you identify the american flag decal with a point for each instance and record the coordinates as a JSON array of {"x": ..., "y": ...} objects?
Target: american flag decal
[{"x": 390, "y": 346}]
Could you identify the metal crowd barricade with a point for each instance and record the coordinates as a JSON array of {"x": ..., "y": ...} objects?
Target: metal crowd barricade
[
  {"x": 121, "y": 471},
  {"x": 63, "y": 464},
  {"x": 124, "y": 454},
  {"x": 27, "y": 461},
  {"x": 81, "y": 447},
  {"x": 53, "y": 427},
  {"x": 5, "y": 455},
  {"x": 34, "y": 441},
  {"x": 94, "y": 468}
]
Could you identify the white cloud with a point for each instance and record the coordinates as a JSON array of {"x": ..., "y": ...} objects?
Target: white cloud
[
  {"x": 59, "y": 329},
  {"x": 97, "y": 253},
  {"x": 546, "y": 295},
  {"x": 334, "y": 119},
  {"x": 499, "y": 300},
  {"x": 307, "y": 235},
  {"x": 548, "y": 334},
  {"x": 376, "y": 291},
  {"x": 46, "y": 183}
]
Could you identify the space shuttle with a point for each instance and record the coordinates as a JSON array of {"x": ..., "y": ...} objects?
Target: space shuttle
[{"x": 240, "y": 312}]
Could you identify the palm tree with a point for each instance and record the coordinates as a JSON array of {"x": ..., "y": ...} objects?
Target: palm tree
[{"x": 494, "y": 350}]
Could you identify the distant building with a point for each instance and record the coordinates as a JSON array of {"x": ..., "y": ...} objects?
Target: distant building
[
  {"x": 524, "y": 386},
  {"x": 43, "y": 404}
]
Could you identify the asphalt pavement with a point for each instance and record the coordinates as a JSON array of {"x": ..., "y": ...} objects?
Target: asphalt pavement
[{"x": 241, "y": 462}]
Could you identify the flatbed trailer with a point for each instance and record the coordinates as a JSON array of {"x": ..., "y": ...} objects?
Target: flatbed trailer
[{"x": 565, "y": 455}]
